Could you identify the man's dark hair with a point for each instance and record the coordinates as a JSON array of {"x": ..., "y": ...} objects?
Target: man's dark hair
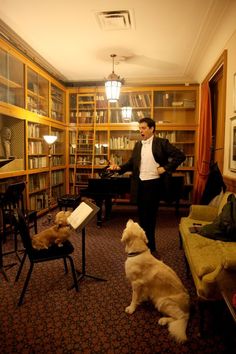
[{"x": 150, "y": 122}]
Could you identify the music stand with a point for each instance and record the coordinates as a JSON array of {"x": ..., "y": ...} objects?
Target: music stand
[{"x": 79, "y": 219}]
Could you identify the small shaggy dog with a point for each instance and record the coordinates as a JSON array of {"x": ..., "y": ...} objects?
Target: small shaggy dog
[
  {"x": 153, "y": 280},
  {"x": 56, "y": 234}
]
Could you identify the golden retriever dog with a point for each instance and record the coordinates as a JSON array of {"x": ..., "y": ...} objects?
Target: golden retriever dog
[
  {"x": 56, "y": 234},
  {"x": 153, "y": 280}
]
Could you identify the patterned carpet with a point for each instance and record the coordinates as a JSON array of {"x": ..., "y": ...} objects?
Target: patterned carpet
[{"x": 54, "y": 319}]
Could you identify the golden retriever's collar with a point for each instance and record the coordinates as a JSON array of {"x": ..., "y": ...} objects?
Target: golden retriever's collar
[{"x": 133, "y": 254}]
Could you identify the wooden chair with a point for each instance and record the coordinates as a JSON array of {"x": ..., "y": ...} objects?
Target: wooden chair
[
  {"x": 14, "y": 198},
  {"x": 38, "y": 256}
]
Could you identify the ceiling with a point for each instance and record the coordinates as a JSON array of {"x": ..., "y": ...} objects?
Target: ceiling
[{"x": 156, "y": 41}]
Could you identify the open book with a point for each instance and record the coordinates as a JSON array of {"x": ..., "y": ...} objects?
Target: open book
[{"x": 80, "y": 217}]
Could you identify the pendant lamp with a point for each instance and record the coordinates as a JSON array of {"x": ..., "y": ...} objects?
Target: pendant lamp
[{"x": 113, "y": 84}]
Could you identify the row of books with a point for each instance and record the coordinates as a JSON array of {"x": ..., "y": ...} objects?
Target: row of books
[
  {"x": 116, "y": 159},
  {"x": 189, "y": 162},
  {"x": 38, "y": 201},
  {"x": 35, "y": 131},
  {"x": 85, "y": 138},
  {"x": 84, "y": 160},
  {"x": 177, "y": 136},
  {"x": 101, "y": 117},
  {"x": 82, "y": 173},
  {"x": 37, "y": 162},
  {"x": 57, "y": 160},
  {"x": 57, "y": 177},
  {"x": 188, "y": 177},
  {"x": 37, "y": 182},
  {"x": 101, "y": 101},
  {"x": 35, "y": 147},
  {"x": 38, "y": 147},
  {"x": 140, "y": 100},
  {"x": 169, "y": 99},
  {"x": 121, "y": 142}
]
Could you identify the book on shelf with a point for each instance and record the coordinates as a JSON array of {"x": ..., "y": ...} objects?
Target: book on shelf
[{"x": 81, "y": 216}]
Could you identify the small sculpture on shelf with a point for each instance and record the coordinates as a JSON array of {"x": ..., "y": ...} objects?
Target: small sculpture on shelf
[{"x": 5, "y": 146}]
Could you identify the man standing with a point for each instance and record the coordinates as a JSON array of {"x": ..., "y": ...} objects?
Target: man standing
[{"x": 152, "y": 159}]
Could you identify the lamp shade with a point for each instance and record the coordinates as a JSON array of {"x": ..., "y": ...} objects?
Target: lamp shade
[
  {"x": 50, "y": 139},
  {"x": 113, "y": 90},
  {"x": 113, "y": 84},
  {"x": 126, "y": 113}
]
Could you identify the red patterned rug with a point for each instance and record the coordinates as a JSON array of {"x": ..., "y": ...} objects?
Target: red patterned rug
[{"x": 54, "y": 319}]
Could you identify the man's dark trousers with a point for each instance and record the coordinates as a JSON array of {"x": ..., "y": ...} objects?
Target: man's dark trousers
[{"x": 148, "y": 202}]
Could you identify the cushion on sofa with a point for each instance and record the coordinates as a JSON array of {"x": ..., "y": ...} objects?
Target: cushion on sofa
[{"x": 223, "y": 226}]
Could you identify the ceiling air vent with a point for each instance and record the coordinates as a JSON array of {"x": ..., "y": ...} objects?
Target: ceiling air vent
[{"x": 114, "y": 20}]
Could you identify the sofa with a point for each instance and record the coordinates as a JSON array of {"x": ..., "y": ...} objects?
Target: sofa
[{"x": 210, "y": 261}]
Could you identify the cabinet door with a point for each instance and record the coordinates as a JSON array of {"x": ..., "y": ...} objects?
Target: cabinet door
[
  {"x": 82, "y": 110},
  {"x": 58, "y": 184},
  {"x": 140, "y": 102},
  {"x": 58, "y": 149},
  {"x": 101, "y": 109},
  {"x": 12, "y": 147},
  {"x": 100, "y": 149},
  {"x": 72, "y": 146},
  {"x": 175, "y": 107},
  {"x": 57, "y": 104},
  {"x": 37, "y": 147},
  {"x": 37, "y": 188},
  {"x": 185, "y": 141},
  {"x": 86, "y": 109},
  {"x": 81, "y": 146},
  {"x": 73, "y": 109},
  {"x": 37, "y": 93},
  {"x": 121, "y": 145},
  {"x": 11, "y": 80}
]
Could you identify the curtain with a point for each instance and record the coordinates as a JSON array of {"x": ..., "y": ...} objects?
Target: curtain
[{"x": 204, "y": 144}]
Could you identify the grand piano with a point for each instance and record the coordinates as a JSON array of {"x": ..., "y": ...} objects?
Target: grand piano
[{"x": 105, "y": 190}]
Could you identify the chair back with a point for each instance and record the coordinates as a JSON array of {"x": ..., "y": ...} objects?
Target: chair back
[
  {"x": 23, "y": 229},
  {"x": 13, "y": 197}
]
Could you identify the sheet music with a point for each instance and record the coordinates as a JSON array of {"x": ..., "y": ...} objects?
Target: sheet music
[{"x": 79, "y": 215}]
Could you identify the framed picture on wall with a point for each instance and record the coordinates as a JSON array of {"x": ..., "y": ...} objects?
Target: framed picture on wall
[{"x": 232, "y": 160}]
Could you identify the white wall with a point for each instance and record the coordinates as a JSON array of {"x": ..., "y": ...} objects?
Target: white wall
[
  {"x": 230, "y": 92},
  {"x": 224, "y": 38}
]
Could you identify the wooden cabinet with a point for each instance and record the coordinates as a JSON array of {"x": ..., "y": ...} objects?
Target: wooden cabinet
[
  {"x": 122, "y": 143},
  {"x": 175, "y": 111},
  {"x": 11, "y": 79},
  {"x": 38, "y": 191},
  {"x": 109, "y": 137},
  {"x": 37, "y": 147},
  {"x": 32, "y": 104},
  {"x": 12, "y": 138},
  {"x": 91, "y": 132},
  {"x": 139, "y": 100},
  {"x": 37, "y": 93},
  {"x": 58, "y": 148},
  {"x": 57, "y": 104},
  {"x": 175, "y": 106}
]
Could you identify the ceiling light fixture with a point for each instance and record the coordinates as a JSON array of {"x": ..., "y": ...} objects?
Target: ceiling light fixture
[
  {"x": 126, "y": 113},
  {"x": 113, "y": 84}
]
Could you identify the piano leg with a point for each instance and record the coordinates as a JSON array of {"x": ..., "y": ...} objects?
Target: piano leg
[
  {"x": 99, "y": 203},
  {"x": 108, "y": 208}
]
